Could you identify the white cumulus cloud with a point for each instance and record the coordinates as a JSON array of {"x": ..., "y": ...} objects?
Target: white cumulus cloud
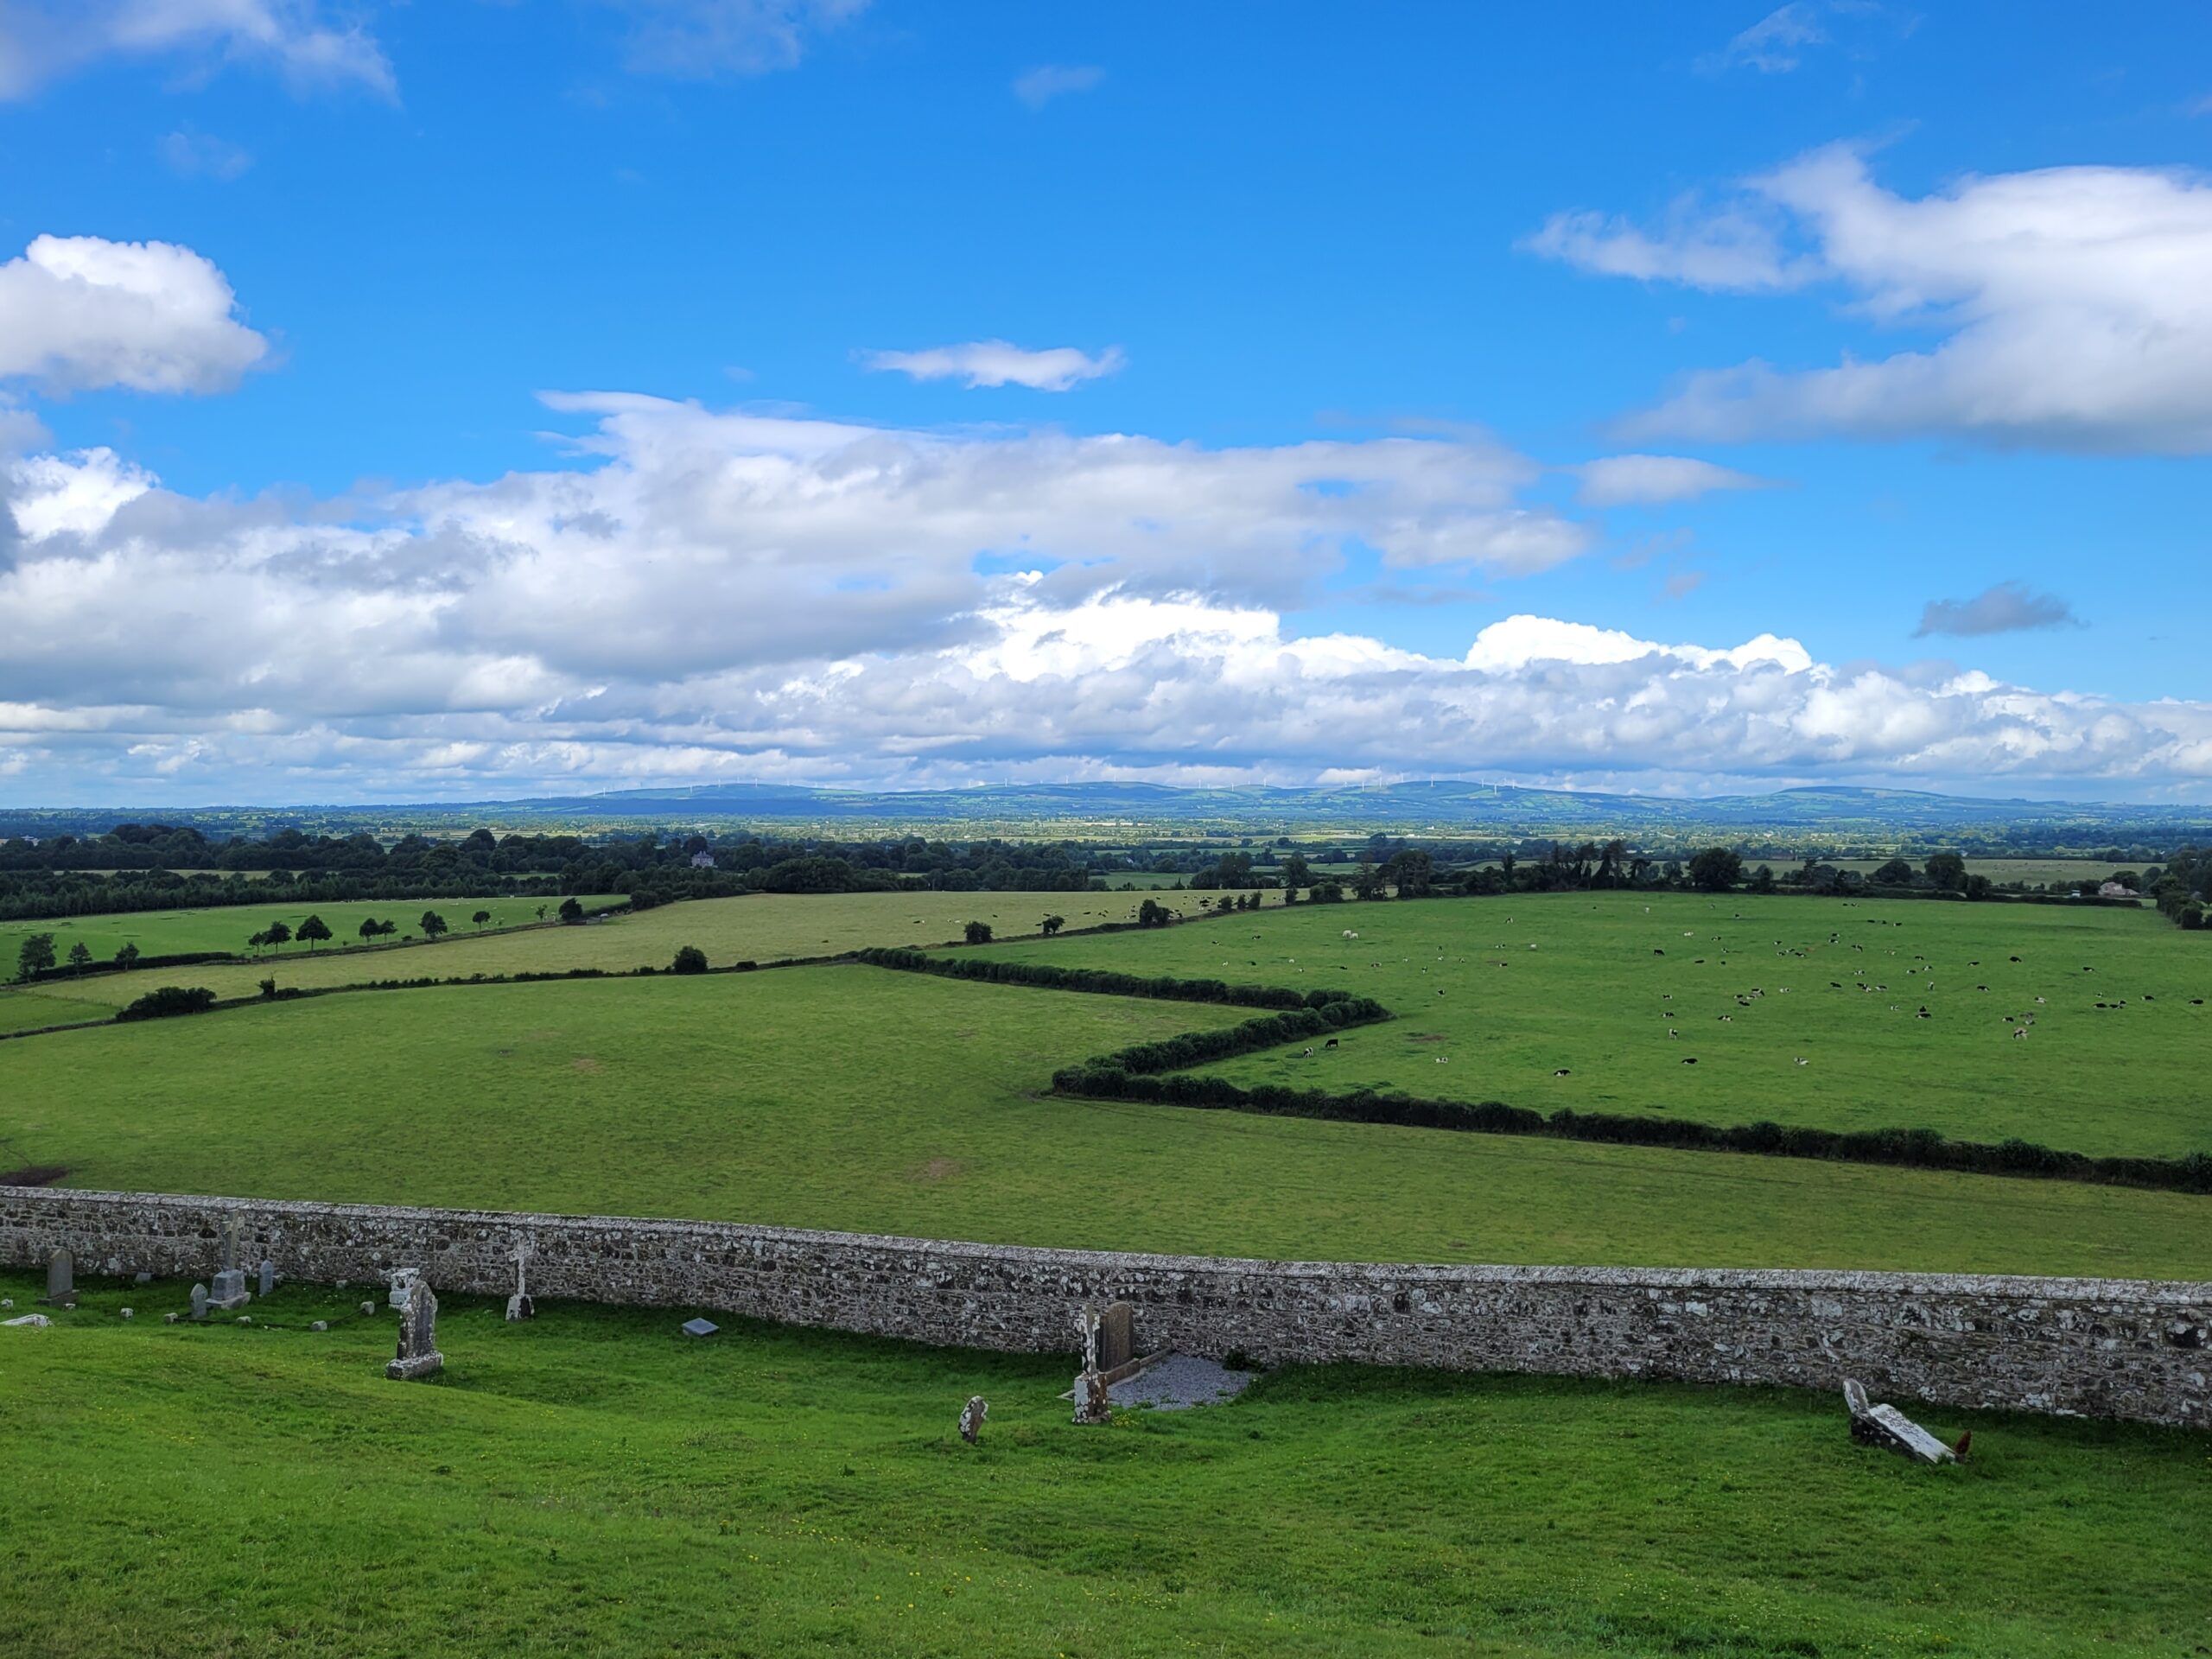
[
  {"x": 2073, "y": 305},
  {"x": 1000, "y": 363},
  {"x": 699, "y": 39},
  {"x": 79, "y": 312}
]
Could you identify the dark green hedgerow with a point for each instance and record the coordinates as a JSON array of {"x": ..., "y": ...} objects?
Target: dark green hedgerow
[
  {"x": 1108, "y": 1078},
  {"x": 1099, "y": 981}
]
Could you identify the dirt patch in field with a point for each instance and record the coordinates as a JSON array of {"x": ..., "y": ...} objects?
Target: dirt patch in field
[
  {"x": 585, "y": 1063},
  {"x": 1424, "y": 1037},
  {"x": 33, "y": 1175},
  {"x": 937, "y": 1169}
]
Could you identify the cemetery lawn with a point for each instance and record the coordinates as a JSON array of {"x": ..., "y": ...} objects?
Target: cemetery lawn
[
  {"x": 593, "y": 1482},
  {"x": 860, "y": 1099},
  {"x": 1596, "y": 999},
  {"x": 764, "y": 927}
]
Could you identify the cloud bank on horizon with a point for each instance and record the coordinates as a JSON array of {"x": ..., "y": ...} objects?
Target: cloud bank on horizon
[
  {"x": 730, "y": 594},
  {"x": 765, "y": 593}
]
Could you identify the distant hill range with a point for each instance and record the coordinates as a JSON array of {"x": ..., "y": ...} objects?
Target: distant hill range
[
  {"x": 1101, "y": 812},
  {"x": 1441, "y": 805}
]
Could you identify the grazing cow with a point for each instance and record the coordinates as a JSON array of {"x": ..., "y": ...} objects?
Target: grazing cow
[
  {"x": 1689, "y": 1059},
  {"x": 1562, "y": 1072},
  {"x": 1331, "y": 1043},
  {"x": 1804, "y": 1062},
  {"x": 1671, "y": 1032}
]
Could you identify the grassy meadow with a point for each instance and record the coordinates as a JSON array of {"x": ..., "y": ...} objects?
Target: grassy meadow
[
  {"x": 857, "y": 1098},
  {"x": 1497, "y": 996},
  {"x": 764, "y": 927},
  {"x": 175, "y": 932},
  {"x": 592, "y": 1482}
]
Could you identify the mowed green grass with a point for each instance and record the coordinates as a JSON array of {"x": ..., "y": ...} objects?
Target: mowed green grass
[
  {"x": 593, "y": 1482},
  {"x": 765, "y": 927},
  {"x": 856, "y": 1098},
  {"x": 1498, "y": 995},
  {"x": 227, "y": 927}
]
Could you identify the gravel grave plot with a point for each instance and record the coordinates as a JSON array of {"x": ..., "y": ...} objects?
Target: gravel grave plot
[{"x": 1179, "y": 1382}]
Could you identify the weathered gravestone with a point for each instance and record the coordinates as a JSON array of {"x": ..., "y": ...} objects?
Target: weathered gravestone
[
  {"x": 1116, "y": 1337},
  {"x": 699, "y": 1328},
  {"x": 418, "y": 1354},
  {"x": 60, "y": 1281},
  {"x": 402, "y": 1284},
  {"x": 229, "y": 1289},
  {"x": 268, "y": 1275},
  {"x": 519, "y": 1306},
  {"x": 1891, "y": 1429},
  {"x": 971, "y": 1417},
  {"x": 199, "y": 1301}
]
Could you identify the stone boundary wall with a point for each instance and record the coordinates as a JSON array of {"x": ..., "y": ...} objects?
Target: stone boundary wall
[{"x": 2113, "y": 1348}]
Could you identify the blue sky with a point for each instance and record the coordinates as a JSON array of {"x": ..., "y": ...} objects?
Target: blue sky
[{"x": 568, "y": 392}]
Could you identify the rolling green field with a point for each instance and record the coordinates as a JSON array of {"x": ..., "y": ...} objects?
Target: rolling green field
[
  {"x": 766, "y": 927},
  {"x": 856, "y": 1098},
  {"x": 168, "y": 932},
  {"x": 594, "y": 1483},
  {"x": 1498, "y": 995}
]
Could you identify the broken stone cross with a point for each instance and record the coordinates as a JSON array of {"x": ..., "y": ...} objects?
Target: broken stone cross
[
  {"x": 61, "y": 1280},
  {"x": 519, "y": 1306},
  {"x": 1091, "y": 1404},
  {"x": 418, "y": 1354}
]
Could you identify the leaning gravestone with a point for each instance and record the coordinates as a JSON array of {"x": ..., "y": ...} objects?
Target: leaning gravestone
[
  {"x": 1891, "y": 1429},
  {"x": 199, "y": 1301},
  {"x": 971, "y": 1417},
  {"x": 60, "y": 1281},
  {"x": 418, "y": 1354}
]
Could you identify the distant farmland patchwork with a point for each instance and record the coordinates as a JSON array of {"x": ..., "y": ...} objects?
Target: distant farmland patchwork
[{"x": 1497, "y": 998}]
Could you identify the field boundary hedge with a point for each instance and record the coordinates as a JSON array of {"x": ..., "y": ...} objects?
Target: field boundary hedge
[{"x": 1137, "y": 1073}]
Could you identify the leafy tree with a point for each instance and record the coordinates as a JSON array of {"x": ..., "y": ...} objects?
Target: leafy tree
[
  {"x": 267, "y": 988},
  {"x": 571, "y": 912},
  {"x": 690, "y": 959},
  {"x": 127, "y": 957},
  {"x": 1948, "y": 871},
  {"x": 480, "y": 917},
  {"x": 1763, "y": 879},
  {"x": 80, "y": 956},
  {"x": 1153, "y": 913},
  {"x": 1053, "y": 925},
  {"x": 169, "y": 1000},
  {"x": 977, "y": 932},
  {"x": 541, "y": 912},
  {"x": 1367, "y": 881},
  {"x": 313, "y": 931},
  {"x": 1413, "y": 871},
  {"x": 1716, "y": 869},
  {"x": 433, "y": 925},
  {"x": 371, "y": 928},
  {"x": 1897, "y": 872},
  {"x": 279, "y": 934},
  {"x": 35, "y": 957},
  {"x": 1296, "y": 873}
]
